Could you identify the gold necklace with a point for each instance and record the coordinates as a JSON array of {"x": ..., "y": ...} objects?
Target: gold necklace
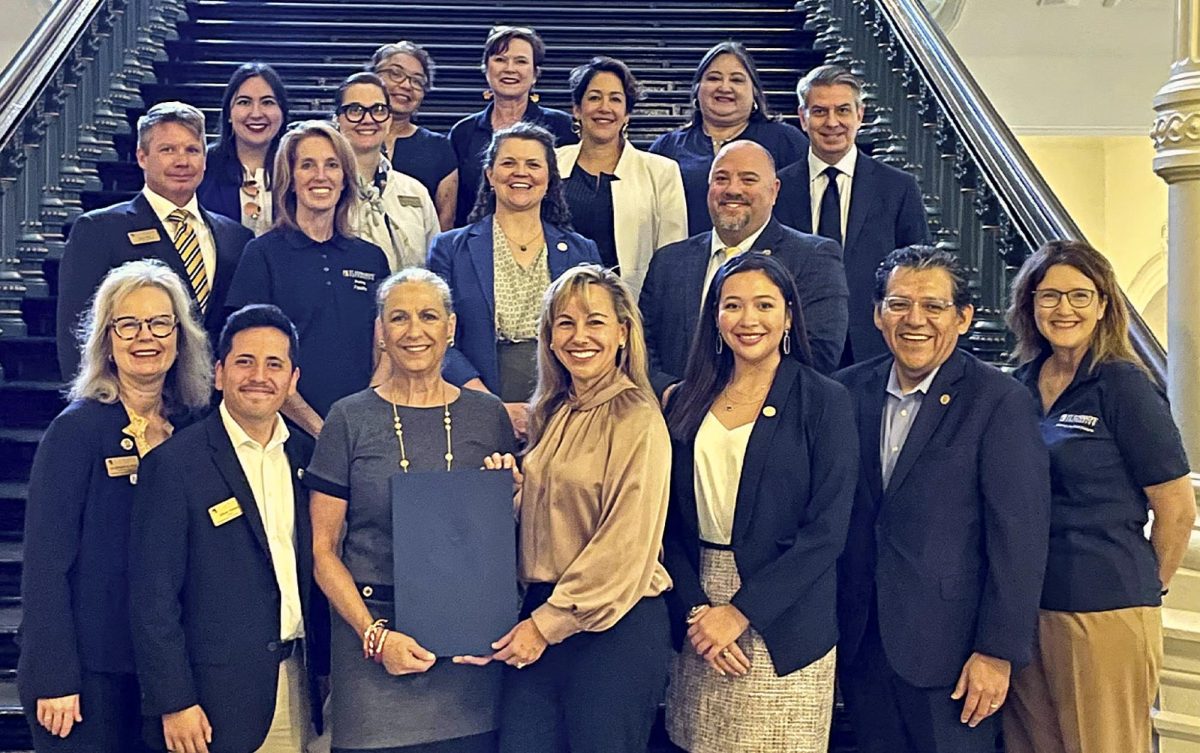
[
  {"x": 523, "y": 246},
  {"x": 730, "y": 402},
  {"x": 400, "y": 432}
]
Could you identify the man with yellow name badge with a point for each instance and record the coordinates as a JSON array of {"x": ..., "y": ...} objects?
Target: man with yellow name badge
[{"x": 227, "y": 644}]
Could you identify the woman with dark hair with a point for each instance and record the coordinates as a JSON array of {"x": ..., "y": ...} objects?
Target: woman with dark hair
[
  {"x": 500, "y": 265},
  {"x": 512, "y": 63},
  {"x": 395, "y": 211},
  {"x": 1115, "y": 455},
  {"x": 628, "y": 201},
  {"x": 408, "y": 71},
  {"x": 728, "y": 103},
  {"x": 755, "y": 431},
  {"x": 237, "y": 174}
]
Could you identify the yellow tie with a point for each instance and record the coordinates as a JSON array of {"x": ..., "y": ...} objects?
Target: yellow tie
[{"x": 188, "y": 246}]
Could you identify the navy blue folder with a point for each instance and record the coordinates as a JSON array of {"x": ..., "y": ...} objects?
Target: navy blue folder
[{"x": 455, "y": 559}]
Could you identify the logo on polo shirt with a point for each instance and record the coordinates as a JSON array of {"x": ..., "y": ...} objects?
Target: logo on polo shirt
[
  {"x": 359, "y": 279},
  {"x": 1078, "y": 422}
]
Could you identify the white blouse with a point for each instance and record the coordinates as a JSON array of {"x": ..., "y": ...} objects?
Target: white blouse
[
  {"x": 401, "y": 218},
  {"x": 718, "y": 457}
]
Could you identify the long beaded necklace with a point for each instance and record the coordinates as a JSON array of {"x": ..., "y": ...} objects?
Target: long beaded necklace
[{"x": 400, "y": 432}]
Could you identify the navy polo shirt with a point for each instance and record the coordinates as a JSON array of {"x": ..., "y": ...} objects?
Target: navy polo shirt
[
  {"x": 471, "y": 136},
  {"x": 327, "y": 289},
  {"x": 1110, "y": 434},
  {"x": 692, "y": 148}
]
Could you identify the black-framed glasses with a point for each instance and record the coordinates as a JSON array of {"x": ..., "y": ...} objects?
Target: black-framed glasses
[
  {"x": 1079, "y": 298},
  {"x": 396, "y": 75},
  {"x": 932, "y": 307},
  {"x": 354, "y": 112},
  {"x": 129, "y": 327}
]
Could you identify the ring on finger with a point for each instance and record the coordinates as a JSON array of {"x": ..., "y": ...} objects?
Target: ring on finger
[
  {"x": 520, "y": 665},
  {"x": 995, "y": 705},
  {"x": 727, "y": 654}
]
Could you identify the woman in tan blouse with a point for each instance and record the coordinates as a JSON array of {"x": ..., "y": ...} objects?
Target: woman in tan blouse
[{"x": 588, "y": 659}]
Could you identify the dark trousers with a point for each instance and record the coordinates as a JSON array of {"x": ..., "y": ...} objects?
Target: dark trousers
[
  {"x": 891, "y": 716},
  {"x": 485, "y": 743},
  {"x": 112, "y": 722},
  {"x": 592, "y": 693}
]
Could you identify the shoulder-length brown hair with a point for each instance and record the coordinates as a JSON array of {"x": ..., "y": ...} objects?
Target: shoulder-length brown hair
[
  {"x": 1110, "y": 341},
  {"x": 554, "y": 381},
  {"x": 283, "y": 193}
]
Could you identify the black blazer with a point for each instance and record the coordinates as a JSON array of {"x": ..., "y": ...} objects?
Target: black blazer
[
  {"x": 204, "y": 599},
  {"x": 886, "y": 213},
  {"x": 221, "y": 190},
  {"x": 670, "y": 300},
  {"x": 74, "y": 590},
  {"x": 789, "y": 526},
  {"x": 99, "y": 241},
  {"x": 952, "y": 553}
]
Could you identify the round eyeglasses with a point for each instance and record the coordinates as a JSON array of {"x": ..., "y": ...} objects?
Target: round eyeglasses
[
  {"x": 354, "y": 112},
  {"x": 396, "y": 75},
  {"x": 129, "y": 327}
]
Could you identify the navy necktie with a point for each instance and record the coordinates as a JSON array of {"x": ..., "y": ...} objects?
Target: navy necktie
[{"x": 829, "y": 222}]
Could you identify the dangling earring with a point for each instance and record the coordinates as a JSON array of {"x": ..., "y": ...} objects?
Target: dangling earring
[
  {"x": 787, "y": 343},
  {"x": 450, "y": 342},
  {"x": 576, "y": 127},
  {"x": 487, "y": 94},
  {"x": 720, "y": 345},
  {"x": 534, "y": 97}
]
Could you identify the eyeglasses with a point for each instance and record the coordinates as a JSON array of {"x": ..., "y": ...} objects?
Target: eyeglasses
[
  {"x": 251, "y": 208},
  {"x": 354, "y": 112},
  {"x": 397, "y": 75},
  {"x": 129, "y": 327},
  {"x": 931, "y": 307},
  {"x": 1048, "y": 298}
]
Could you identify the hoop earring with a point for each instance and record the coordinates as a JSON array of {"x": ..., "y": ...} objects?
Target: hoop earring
[
  {"x": 625, "y": 131},
  {"x": 487, "y": 94},
  {"x": 534, "y": 97},
  {"x": 787, "y": 343},
  {"x": 576, "y": 127},
  {"x": 720, "y": 345}
]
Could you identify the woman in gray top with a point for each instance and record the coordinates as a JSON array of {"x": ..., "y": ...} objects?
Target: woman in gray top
[{"x": 389, "y": 694}]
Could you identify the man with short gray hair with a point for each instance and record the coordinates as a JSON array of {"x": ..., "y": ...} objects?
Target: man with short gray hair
[
  {"x": 164, "y": 221},
  {"x": 838, "y": 192}
]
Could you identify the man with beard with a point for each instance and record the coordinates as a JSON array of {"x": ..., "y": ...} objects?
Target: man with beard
[{"x": 742, "y": 189}]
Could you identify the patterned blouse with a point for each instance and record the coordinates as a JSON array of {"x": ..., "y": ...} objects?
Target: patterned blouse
[{"x": 518, "y": 289}]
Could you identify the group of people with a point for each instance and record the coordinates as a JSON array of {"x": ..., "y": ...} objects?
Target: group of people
[{"x": 749, "y": 459}]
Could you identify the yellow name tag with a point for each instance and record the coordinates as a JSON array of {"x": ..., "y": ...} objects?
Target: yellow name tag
[
  {"x": 122, "y": 465},
  {"x": 139, "y": 237},
  {"x": 223, "y": 512},
  {"x": 409, "y": 201}
]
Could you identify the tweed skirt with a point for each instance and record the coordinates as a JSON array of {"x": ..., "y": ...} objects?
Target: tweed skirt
[{"x": 757, "y": 713}]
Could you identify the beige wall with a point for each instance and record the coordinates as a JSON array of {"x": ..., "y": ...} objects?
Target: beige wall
[{"x": 1107, "y": 185}]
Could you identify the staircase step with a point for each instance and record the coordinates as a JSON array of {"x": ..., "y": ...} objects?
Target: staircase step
[
  {"x": 17, "y": 447},
  {"x": 12, "y": 554},
  {"x": 38, "y": 311},
  {"x": 12, "y": 508},
  {"x": 30, "y": 404},
  {"x": 29, "y": 359},
  {"x": 14, "y": 731}
]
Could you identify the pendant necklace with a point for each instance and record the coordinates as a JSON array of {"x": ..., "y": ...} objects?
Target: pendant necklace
[
  {"x": 529, "y": 241},
  {"x": 400, "y": 432}
]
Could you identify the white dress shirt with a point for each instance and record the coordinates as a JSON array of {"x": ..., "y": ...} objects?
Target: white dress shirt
[
  {"x": 719, "y": 253},
  {"x": 270, "y": 476},
  {"x": 163, "y": 207},
  {"x": 817, "y": 183}
]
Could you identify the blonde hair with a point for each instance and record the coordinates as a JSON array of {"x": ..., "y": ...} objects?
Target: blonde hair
[
  {"x": 188, "y": 383},
  {"x": 283, "y": 194},
  {"x": 554, "y": 381}
]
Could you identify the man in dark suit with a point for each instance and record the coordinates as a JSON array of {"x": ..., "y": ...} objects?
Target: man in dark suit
[
  {"x": 221, "y": 561},
  {"x": 742, "y": 189},
  {"x": 869, "y": 208},
  {"x": 941, "y": 577},
  {"x": 202, "y": 248}
]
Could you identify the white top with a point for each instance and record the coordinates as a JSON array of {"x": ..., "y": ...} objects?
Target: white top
[
  {"x": 262, "y": 198},
  {"x": 401, "y": 219},
  {"x": 718, "y": 457},
  {"x": 817, "y": 183},
  {"x": 270, "y": 476},
  {"x": 163, "y": 207},
  {"x": 719, "y": 253}
]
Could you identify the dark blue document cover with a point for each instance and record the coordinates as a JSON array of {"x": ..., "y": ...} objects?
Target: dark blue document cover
[{"x": 455, "y": 559}]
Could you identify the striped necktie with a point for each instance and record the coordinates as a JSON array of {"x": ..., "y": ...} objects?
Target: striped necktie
[{"x": 188, "y": 246}]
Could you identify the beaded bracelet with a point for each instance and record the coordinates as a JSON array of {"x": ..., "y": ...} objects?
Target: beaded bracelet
[{"x": 372, "y": 638}]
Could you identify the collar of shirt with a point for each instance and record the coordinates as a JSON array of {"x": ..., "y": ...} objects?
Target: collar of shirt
[
  {"x": 606, "y": 388},
  {"x": 163, "y": 206},
  {"x": 297, "y": 239},
  {"x": 716, "y": 245},
  {"x": 239, "y": 437},
  {"x": 893, "y": 383},
  {"x": 846, "y": 165}
]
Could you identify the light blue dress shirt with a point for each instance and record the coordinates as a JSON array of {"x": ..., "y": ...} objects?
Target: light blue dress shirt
[{"x": 899, "y": 413}]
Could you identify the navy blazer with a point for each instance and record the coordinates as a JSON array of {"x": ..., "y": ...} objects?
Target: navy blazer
[
  {"x": 99, "y": 241},
  {"x": 74, "y": 592},
  {"x": 220, "y": 191},
  {"x": 789, "y": 524},
  {"x": 953, "y": 551},
  {"x": 670, "y": 299},
  {"x": 463, "y": 258},
  {"x": 204, "y": 599},
  {"x": 886, "y": 213}
]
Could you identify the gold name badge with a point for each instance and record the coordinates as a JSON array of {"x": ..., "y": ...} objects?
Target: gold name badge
[
  {"x": 223, "y": 512},
  {"x": 122, "y": 465},
  {"x": 140, "y": 237},
  {"x": 409, "y": 201}
]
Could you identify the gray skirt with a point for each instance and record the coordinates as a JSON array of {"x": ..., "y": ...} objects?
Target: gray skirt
[{"x": 758, "y": 713}]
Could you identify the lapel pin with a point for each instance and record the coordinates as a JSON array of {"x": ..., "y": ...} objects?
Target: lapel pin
[
  {"x": 133, "y": 479},
  {"x": 766, "y": 252},
  {"x": 769, "y": 411},
  {"x": 126, "y": 444},
  {"x": 944, "y": 399},
  {"x": 299, "y": 473},
  {"x": 562, "y": 246}
]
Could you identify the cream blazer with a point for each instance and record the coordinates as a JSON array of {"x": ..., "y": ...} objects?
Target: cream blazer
[{"x": 648, "y": 207}]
